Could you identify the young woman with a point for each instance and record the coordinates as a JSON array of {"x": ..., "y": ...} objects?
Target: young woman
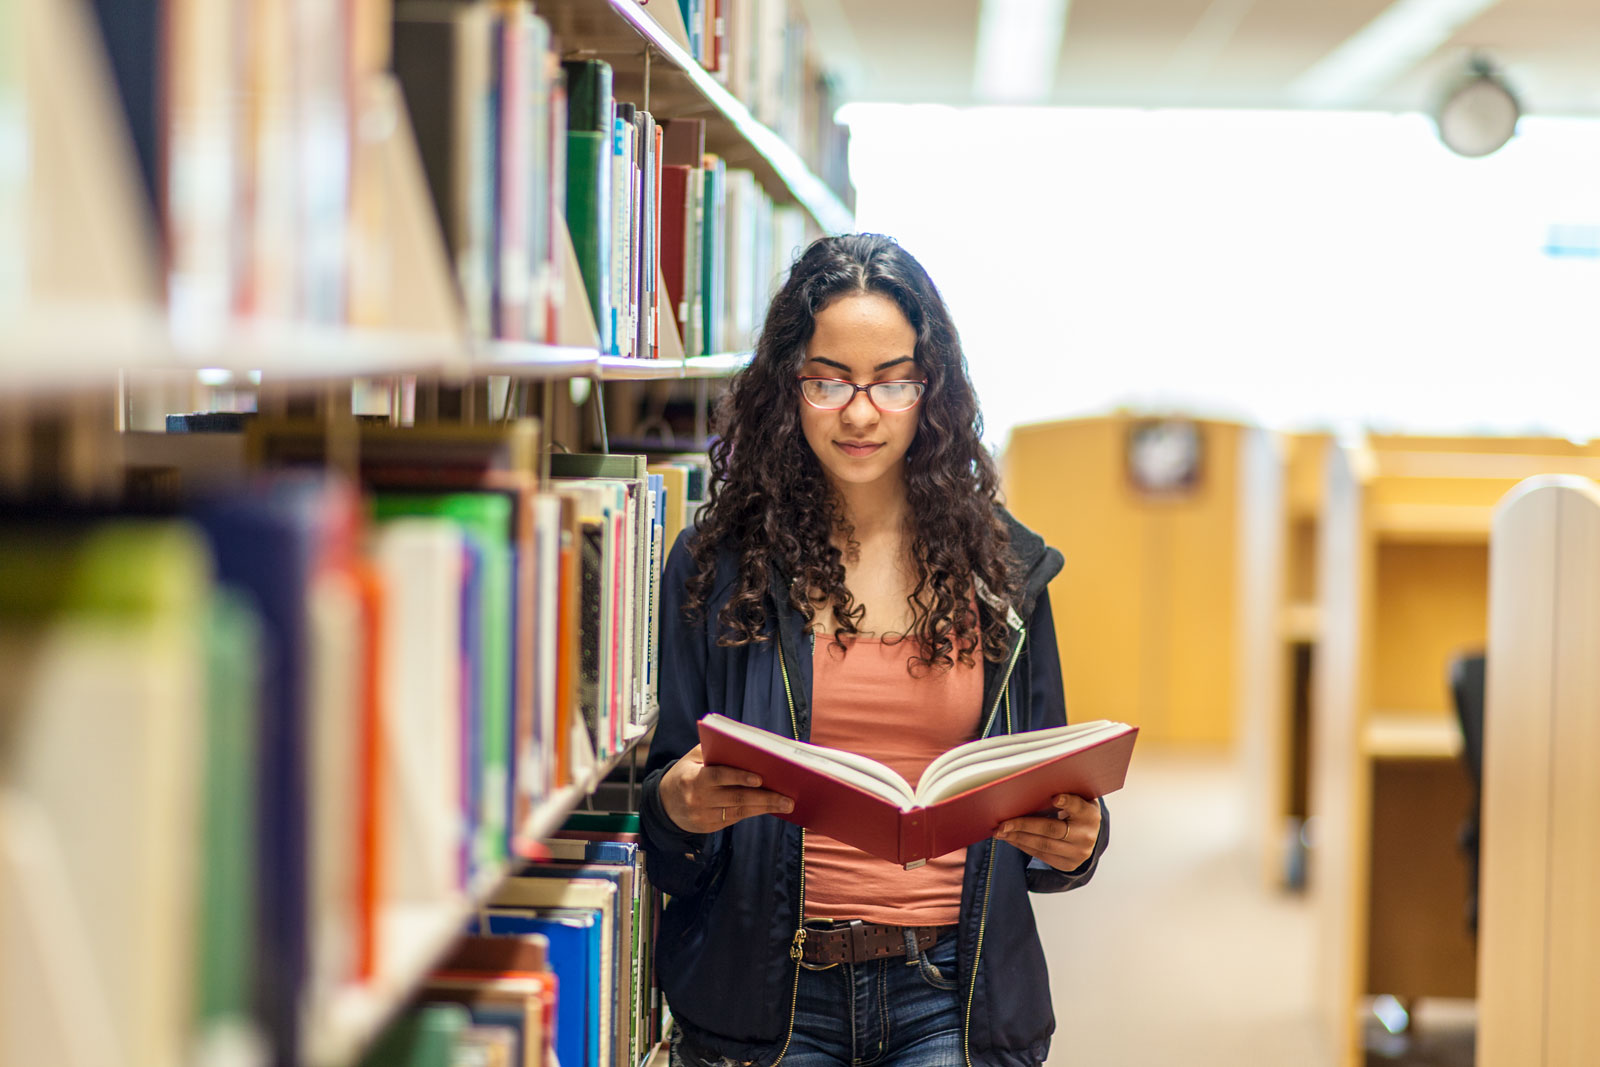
[{"x": 853, "y": 582}]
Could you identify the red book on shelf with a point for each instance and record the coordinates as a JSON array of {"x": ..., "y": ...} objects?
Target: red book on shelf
[
  {"x": 962, "y": 797},
  {"x": 677, "y": 214}
]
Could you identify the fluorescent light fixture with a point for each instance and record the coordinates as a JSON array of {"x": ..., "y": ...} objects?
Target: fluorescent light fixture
[
  {"x": 1407, "y": 32},
  {"x": 1019, "y": 42},
  {"x": 214, "y": 376}
]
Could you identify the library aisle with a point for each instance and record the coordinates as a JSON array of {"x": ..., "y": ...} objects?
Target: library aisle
[{"x": 1177, "y": 953}]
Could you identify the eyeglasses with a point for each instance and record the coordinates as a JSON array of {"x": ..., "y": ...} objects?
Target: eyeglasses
[{"x": 833, "y": 394}]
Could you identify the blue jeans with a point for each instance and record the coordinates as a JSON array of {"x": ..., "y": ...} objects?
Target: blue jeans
[{"x": 903, "y": 1011}]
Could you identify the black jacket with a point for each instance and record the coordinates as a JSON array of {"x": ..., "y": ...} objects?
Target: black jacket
[{"x": 735, "y": 896}]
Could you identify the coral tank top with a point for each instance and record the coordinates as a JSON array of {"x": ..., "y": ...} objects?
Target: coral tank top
[{"x": 865, "y": 701}]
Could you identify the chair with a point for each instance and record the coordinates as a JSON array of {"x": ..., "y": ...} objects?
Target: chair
[{"x": 1466, "y": 687}]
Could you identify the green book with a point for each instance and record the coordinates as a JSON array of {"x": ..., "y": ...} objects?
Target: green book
[
  {"x": 227, "y": 961},
  {"x": 713, "y": 234},
  {"x": 597, "y": 465},
  {"x": 626, "y": 822},
  {"x": 118, "y": 568},
  {"x": 589, "y": 155},
  {"x": 589, "y": 221},
  {"x": 425, "y": 1037},
  {"x": 589, "y": 100},
  {"x": 485, "y": 520}
]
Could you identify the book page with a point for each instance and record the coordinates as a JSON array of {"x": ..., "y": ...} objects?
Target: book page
[
  {"x": 976, "y": 762},
  {"x": 852, "y": 768}
]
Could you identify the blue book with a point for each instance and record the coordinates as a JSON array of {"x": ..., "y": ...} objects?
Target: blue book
[
  {"x": 266, "y": 541},
  {"x": 623, "y": 999},
  {"x": 574, "y": 936}
]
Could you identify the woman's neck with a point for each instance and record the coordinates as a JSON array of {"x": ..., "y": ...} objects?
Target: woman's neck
[{"x": 874, "y": 511}]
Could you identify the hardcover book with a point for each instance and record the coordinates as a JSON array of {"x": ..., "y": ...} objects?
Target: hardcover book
[{"x": 962, "y": 796}]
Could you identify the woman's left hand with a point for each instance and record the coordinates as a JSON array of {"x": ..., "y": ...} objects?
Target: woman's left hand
[{"x": 1063, "y": 840}]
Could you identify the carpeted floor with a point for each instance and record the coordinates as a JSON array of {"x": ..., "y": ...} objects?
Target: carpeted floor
[{"x": 1179, "y": 954}]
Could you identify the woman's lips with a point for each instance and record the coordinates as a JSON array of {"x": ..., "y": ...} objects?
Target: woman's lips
[{"x": 858, "y": 449}]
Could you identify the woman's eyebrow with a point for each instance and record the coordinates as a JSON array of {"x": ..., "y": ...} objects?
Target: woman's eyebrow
[{"x": 875, "y": 370}]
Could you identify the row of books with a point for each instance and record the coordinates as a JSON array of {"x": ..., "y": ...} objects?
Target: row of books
[
  {"x": 763, "y": 52},
  {"x": 291, "y": 712},
  {"x": 561, "y": 961},
  {"x": 519, "y": 146},
  {"x": 253, "y": 126},
  {"x": 264, "y": 137}
]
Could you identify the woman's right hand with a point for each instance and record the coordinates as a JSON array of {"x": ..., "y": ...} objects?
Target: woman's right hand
[{"x": 699, "y": 798}]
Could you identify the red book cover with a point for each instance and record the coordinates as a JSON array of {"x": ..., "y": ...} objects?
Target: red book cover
[
  {"x": 964, "y": 795},
  {"x": 677, "y": 218}
]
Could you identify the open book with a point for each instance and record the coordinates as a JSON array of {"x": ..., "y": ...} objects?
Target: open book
[{"x": 962, "y": 797}]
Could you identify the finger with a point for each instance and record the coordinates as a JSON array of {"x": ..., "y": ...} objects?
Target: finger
[
  {"x": 743, "y": 803},
  {"x": 1051, "y": 849},
  {"x": 1055, "y": 828},
  {"x": 730, "y": 777},
  {"x": 1081, "y": 811}
]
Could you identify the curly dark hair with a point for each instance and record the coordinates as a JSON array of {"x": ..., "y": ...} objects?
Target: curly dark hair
[{"x": 770, "y": 500}]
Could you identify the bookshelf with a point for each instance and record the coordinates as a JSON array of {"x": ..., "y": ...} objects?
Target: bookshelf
[
  {"x": 646, "y": 47},
  {"x": 346, "y": 1023},
  {"x": 1402, "y": 587},
  {"x": 98, "y": 341}
]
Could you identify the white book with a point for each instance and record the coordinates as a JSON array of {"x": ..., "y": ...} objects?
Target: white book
[{"x": 422, "y": 826}]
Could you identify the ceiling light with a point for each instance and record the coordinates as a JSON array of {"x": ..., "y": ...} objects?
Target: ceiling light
[
  {"x": 1478, "y": 112},
  {"x": 1407, "y": 32},
  {"x": 1019, "y": 42}
]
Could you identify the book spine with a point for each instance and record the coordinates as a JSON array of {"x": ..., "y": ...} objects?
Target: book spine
[{"x": 916, "y": 838}]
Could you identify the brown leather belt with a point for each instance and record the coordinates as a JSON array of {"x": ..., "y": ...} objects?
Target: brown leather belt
[{"x": 858, "y": 942}]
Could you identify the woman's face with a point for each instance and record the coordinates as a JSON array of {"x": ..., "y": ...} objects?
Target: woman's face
[{"x": 861, "y": 338}]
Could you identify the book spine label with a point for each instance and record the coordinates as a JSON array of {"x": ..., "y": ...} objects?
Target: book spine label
[{"x": 915, "y": 838}]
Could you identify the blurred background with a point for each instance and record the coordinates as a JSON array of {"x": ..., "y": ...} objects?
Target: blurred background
[{"x": 1282, "y": 317}]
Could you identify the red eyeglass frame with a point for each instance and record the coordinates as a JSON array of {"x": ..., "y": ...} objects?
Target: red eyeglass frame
[{"x": 803, "y": 378}]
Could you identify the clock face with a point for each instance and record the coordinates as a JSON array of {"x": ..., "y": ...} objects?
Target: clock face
[
  {"x": 1478, "y": 118},
  {"x": 1164, "y": 455}
]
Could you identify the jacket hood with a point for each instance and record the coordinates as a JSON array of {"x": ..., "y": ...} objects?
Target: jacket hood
[{"x": 1039, "y": 562}]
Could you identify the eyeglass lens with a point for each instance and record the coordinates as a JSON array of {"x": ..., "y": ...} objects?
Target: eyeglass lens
[{"x": 830, "y": 393}]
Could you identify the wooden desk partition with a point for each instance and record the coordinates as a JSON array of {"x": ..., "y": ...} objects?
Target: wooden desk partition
[
  {"x": 1402, "y": 589},
  {"x": 1144, "y": 608},
  {"x": 1539, "y": 933},
  {"x": 1280, "y": 502}
]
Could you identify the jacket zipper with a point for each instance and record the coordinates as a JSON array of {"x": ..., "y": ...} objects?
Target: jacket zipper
[
  {"x": 797, "y": 946},
  {"x": 988, "y": 874}
]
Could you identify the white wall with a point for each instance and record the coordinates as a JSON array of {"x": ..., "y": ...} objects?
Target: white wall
[{"x": 1299, "y": 269}]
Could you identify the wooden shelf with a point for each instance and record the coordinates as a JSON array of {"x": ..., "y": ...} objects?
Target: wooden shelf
[
  {"x": 1433, "y": 523},
  {"x": 1411, "y": 735},
  {"x": 622, "y": 32},
  {"x": 1300, "y": 622}
]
